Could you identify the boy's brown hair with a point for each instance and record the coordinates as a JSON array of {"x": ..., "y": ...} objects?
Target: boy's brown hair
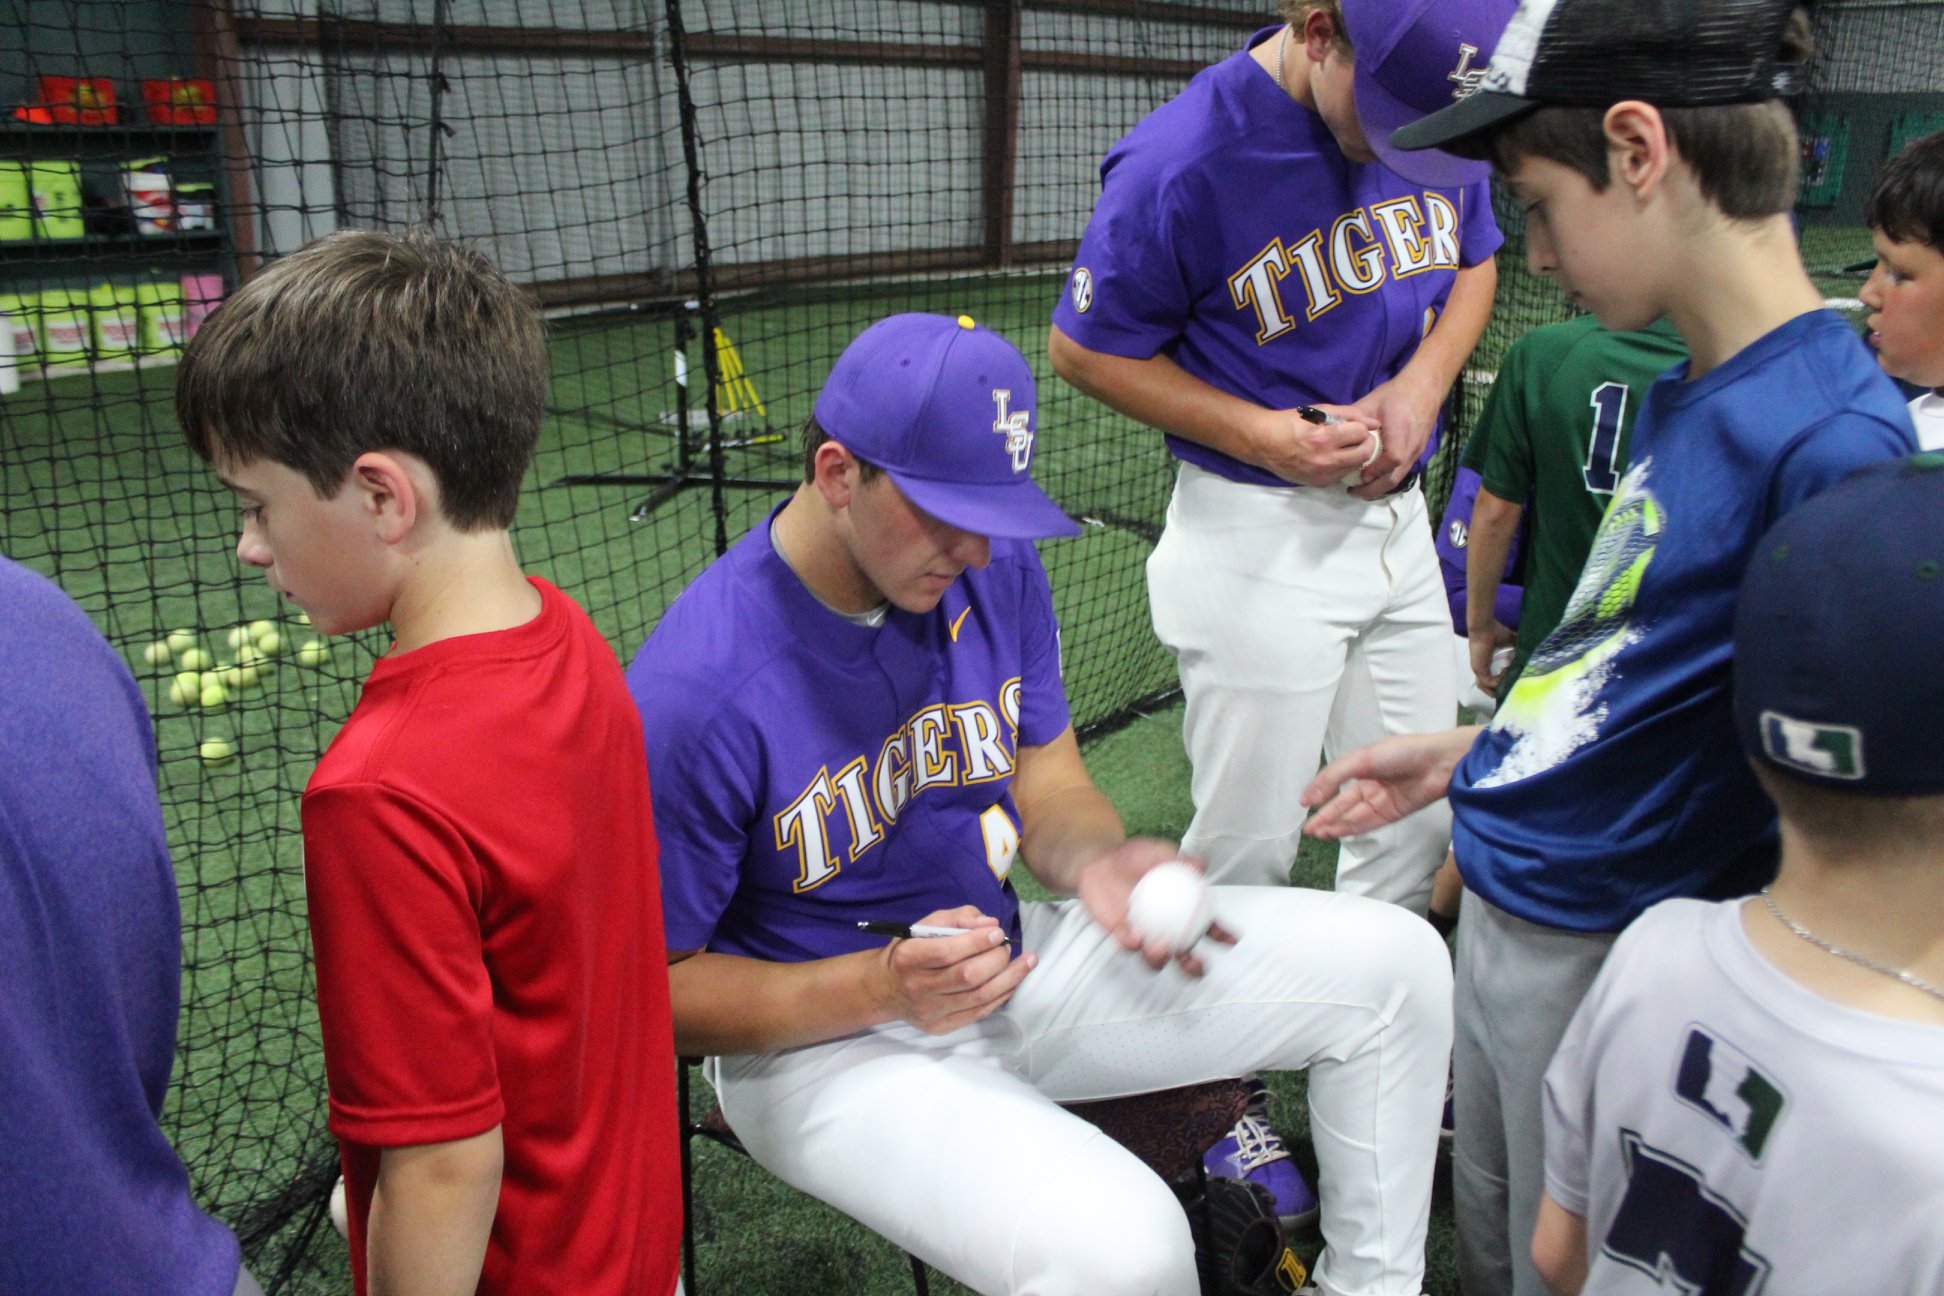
[
  {"x": 1745, "y": 157},
  {"x": 1853, "y": 822},
  {"x": 366, "y": 341},
  {"x": 1294, "y": 12},
  {"x": 1907, "y": 203},
  {"x": 814, "y": 437}
]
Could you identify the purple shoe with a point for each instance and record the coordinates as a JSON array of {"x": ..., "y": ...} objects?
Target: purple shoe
[{"x": 1255, "y": 1152}]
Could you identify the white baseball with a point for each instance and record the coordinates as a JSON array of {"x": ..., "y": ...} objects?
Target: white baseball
[
  {"x": 1169, "y": 905},
  {"x": 1355, "y": 479},
  {"x": 340, "y": 1211}
]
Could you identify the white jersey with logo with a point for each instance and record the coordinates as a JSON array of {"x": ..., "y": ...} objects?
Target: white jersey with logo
[{"x": 1725, "y": 1131}]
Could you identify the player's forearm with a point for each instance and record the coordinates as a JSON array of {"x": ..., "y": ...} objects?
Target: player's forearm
[
  {"x": 1559, "y": 1248},
  {"x": 1441, "y": 356},
  {"x": 431, "y": 1215},
  {"x": 1074, "y": 827},
  {"x": 1160, "y": 393},
  {"x": 1065, "y": 820},
  {"x": 727, "y": 1004},
  {"x": 1494, "y": 521}
]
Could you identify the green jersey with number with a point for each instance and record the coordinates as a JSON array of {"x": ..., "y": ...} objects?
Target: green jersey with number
[{"x": 1554, "y": 437}]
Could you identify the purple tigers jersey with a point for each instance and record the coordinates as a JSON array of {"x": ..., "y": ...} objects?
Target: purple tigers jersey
[
  {"x": 809, "y": 773},
  {"x": 1233, "y": 236},
  {"x": 1453, "y": 538}
]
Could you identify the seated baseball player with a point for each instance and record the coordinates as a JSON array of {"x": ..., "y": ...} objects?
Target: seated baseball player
[
  {"x": 856, "y": 716},
  {"x": 1749, "y": 1079}
]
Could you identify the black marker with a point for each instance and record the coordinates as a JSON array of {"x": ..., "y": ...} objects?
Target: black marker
[
  {"x": 1311, "y": 414},
  {"x": 909, "y": 931}
]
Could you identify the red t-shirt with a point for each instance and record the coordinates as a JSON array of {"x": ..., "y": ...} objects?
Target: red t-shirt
[{"x": 480, "y": 863}]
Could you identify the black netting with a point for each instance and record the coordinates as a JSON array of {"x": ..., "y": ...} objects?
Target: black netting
[{"x": 709, "y": 198}]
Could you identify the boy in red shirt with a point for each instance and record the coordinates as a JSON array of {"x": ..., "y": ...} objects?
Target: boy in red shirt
[{"x": 478, "y": 848}]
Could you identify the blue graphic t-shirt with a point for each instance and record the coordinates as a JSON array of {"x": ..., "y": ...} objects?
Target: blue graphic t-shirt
[
  {"x": 809, "y": 773},
  {"x": 1611, "y": 778},
  {"x": 1233, "y": 236}
]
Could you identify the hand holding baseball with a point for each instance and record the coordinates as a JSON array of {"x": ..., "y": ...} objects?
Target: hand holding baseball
[{"x": 1107, "y": 886}]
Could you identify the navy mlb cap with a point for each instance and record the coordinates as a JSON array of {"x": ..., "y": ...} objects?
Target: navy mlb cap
[
  {"x": 947, "y": 408},
  {"x": 1595, "y": 53},
  {"x": 1414, "y": 57},
  {"x": 1839, "y": 628}
]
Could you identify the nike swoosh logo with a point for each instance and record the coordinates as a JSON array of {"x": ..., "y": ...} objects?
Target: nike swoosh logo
[{"x": 956, "y": 624}]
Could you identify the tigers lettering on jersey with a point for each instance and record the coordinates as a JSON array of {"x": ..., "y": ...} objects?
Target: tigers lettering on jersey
[
  {"x": 1365, "y": 246},
  {"x": 942, "y": 745}
]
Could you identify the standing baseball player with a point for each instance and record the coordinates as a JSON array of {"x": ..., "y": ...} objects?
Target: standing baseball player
[
  {"x": 1255, "y": 253},
  {"x": 856, "y": 716},
  {"x": 1258, "y": 249}
]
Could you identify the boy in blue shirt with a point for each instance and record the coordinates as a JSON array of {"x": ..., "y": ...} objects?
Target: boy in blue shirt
[{"x": 1656, "y": 166}]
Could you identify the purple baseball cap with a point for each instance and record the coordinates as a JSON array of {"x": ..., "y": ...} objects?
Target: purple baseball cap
[
  {"x": 1415, "y": 57},
  {"x": 946, "y": 407},
  {"x": 1840, "y": 607}
]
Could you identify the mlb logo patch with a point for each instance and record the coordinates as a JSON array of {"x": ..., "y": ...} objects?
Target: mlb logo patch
[
  {"x": 1825, "y": 750},
  {"x": 1724, "y": 1084}
]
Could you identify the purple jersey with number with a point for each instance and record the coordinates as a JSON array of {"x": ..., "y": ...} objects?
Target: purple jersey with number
[
  {"x": 1233, "y": 236},
  {"x": 810, "y": 773}
]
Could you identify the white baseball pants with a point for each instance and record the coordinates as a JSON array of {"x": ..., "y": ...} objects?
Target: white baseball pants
[
  {"x": 1302, "y": 621},
  {"x": 953, "y": 1147}
]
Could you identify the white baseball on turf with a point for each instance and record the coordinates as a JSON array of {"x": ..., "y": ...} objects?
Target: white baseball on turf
[
  {"x": 1355, "y": 478},
  {"x": 1169, "y": 906}
]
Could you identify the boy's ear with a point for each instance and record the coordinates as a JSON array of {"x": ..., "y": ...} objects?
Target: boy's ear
[
  {"x": 390, "y": 495},
  {"x": 1639, "y": 151},
  {"x": 1317, "y": 34}
]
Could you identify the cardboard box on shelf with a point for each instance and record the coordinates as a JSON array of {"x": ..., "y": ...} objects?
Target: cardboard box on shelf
[
  {"x": 56, "y": 190},
  {"x": 78, "y": 101},
  {"x": 16, "y": 203},
  {"x": 65, "y": 332},
  {"x": 201, "y": 294},
  {"x": 19, "y": 320},
  {"x": 115, "y": 320},
  {"x": 180, "y": 101},
  {"x": 147, "y": 190},
  {"x": 164, "y": 317}
]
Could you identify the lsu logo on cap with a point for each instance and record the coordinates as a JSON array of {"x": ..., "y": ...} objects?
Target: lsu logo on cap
[
  {"x": 1465, "y": 77},
  {"x": 1013, "y": 427},
  {"x": 1827, "y": 751}
]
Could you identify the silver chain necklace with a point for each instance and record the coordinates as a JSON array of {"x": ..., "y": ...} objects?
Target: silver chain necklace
[
  {"x": 1281, "y": 47},
  {"x": 1830, "y": 947}
]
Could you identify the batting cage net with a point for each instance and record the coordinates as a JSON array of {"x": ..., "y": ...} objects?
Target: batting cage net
[{"x": 709, "y": 198}]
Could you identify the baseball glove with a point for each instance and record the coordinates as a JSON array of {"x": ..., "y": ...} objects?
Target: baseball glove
[{"x": 1239, "y": 1248}]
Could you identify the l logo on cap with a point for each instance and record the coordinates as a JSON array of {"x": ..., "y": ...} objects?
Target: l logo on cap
[
  {"x": 1019, "y": 438},
  {"x": 1832, "y": 751},
  {"x": 1466, "y": 76}
]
